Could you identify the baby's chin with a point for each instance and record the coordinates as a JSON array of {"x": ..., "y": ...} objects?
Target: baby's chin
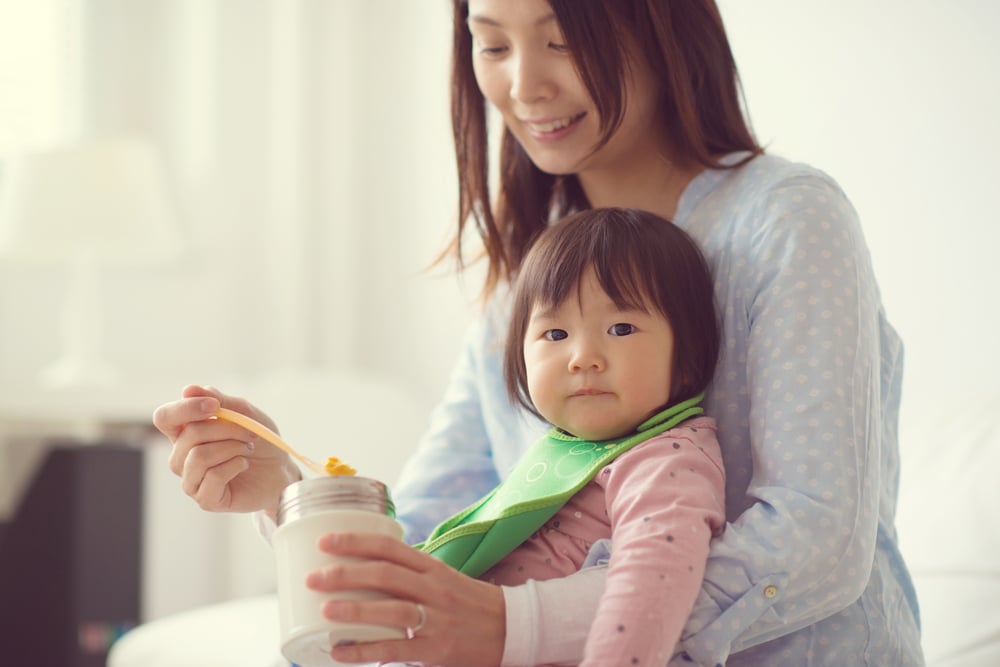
[{"x": 596, "y": 433}]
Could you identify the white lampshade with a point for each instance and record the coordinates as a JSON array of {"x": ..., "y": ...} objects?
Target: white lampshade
[
  {"x": 105, "y": 199},
  {"x": 85, "y": 206}
]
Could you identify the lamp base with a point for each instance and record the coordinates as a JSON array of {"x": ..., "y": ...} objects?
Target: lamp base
[
  {"x": 78, "y": 372},
  {"x": 80, "y": 363}
]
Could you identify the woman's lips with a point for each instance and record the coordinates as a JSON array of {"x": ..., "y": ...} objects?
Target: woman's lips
[{"x": 552, "y": 128}]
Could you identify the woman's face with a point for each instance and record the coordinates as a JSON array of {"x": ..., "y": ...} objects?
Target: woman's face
[{"x": 524, "y": 69}]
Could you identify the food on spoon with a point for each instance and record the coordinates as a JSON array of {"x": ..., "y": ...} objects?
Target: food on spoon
[{"x": 335, "y": 466}]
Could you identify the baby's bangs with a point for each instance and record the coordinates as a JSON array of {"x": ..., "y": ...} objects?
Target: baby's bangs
[
  {"x": 624, "y": 284},
  {"x": 558, "y": 275}
]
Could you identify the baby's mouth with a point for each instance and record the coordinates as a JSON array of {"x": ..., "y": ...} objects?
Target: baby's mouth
[{"x": 589, "y": 391}]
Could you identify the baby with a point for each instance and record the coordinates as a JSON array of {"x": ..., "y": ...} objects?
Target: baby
[{"x": 612, "y": 339}]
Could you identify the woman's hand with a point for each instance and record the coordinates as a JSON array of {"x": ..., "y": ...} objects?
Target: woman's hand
[
  {"x": 223, "y": 467},
  {"x": 464, "y": 619}
]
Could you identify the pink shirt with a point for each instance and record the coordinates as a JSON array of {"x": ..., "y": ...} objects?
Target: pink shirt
[{"x": 660, "y": 503}]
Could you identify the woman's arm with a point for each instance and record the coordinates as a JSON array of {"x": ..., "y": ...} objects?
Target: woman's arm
[
  {"x": 453, "y": 465},
  {"x": 803, "y": 547}
]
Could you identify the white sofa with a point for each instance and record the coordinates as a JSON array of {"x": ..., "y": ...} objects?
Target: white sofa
[
  {"x": 949, "y": 526},
  {"x": 948, "y": 531}
]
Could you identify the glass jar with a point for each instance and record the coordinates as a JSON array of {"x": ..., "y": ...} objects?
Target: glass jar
[{"x": 307, "y": 510}]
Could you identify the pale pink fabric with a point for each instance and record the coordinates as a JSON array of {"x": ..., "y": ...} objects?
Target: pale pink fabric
[{"x": 660, "y": 504}]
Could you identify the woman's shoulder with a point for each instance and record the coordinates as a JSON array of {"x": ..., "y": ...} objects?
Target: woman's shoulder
[
  {"x": 769, "y": 175},
  {"x": 770, "y": 190}
]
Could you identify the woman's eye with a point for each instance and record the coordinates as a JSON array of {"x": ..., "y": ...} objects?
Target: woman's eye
[
  {"x": 555, "y": 334},
  {"x": 621, "y": 329},
  {"x": 485, "y": 48},
  {"x": 559, "y": 48}
]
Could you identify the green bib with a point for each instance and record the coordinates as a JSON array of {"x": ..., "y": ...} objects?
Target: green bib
[{"x": 555, "y": 468}]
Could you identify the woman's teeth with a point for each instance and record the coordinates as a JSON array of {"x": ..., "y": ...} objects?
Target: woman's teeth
[{"x": 554, "y": 125}]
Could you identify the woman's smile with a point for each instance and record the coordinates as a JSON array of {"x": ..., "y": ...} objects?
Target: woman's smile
[{"x": 551, "y": 129}]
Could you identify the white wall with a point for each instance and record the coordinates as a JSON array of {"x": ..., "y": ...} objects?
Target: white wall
[{"x": 897, "y": 100}]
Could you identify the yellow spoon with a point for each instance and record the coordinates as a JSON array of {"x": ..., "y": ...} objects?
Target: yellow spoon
[{"x": 334, "y": 466}]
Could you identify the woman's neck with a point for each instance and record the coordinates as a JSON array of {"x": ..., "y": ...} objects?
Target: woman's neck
[{"x": 654, "y": 186}]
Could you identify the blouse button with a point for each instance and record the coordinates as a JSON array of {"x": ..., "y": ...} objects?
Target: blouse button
[{"x": 770, "y": 592}]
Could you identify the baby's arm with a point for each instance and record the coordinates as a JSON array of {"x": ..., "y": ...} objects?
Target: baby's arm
[
  {"x": 665, "y": 500},
  {"x": 532, "y": 636}
]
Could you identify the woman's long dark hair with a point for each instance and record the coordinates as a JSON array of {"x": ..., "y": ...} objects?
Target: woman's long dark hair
[{"x": 701, "y": 110}]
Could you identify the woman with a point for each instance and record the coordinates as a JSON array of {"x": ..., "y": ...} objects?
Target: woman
[{"x": 635, "y": 103}]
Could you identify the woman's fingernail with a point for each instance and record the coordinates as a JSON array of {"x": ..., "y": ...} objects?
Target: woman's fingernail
[
  {"x": 250, "y": 446},
  {"x": 207, "y": 406}
]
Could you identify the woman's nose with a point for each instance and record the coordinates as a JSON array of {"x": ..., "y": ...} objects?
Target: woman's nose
[{"x": 529, "y": 80}]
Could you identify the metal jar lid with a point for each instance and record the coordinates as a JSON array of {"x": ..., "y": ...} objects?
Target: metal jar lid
[{"x": 335, "y": 492}]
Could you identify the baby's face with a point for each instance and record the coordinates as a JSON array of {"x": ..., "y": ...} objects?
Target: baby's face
[{"x": 595, "y": 370}]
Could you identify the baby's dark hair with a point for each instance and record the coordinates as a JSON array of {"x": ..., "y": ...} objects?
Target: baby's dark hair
[{"x": 641, "y": 261}]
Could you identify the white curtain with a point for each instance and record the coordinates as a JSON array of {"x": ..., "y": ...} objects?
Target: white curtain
[{"x": 309, "y": 147}]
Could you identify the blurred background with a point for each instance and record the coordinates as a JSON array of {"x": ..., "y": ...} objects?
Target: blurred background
[
  {"x": 306, "y": 148},
  {"x": 302, "y": 180}
]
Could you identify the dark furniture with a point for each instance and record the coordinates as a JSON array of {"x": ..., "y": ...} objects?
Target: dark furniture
[{"x": 70, "y": 558}]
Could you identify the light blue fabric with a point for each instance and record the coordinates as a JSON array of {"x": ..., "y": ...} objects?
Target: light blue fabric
[
  {"x": 599, "y": 554},
  {"x": 807, "y": 572}
]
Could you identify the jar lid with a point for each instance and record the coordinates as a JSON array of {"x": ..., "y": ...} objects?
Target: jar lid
[{"x": 335, "y": 492}]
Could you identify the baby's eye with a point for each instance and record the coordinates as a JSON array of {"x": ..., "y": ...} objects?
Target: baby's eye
[
  {"x": 555, "y": 334},
  {"x": 621, "y": 329}
]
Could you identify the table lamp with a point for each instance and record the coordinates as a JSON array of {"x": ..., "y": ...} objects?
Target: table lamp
[{"x": 86, "y": 205}]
